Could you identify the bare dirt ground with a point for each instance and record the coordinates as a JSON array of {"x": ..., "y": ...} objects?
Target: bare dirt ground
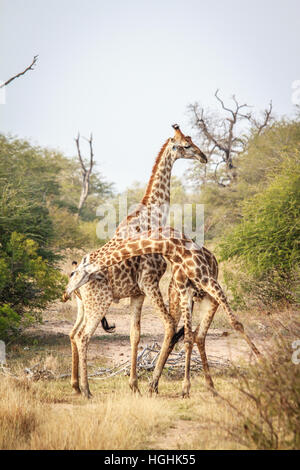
[{"x": 115, "y": 347}]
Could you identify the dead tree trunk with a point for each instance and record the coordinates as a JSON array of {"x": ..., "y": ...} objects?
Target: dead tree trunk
[{"x": 86, "y": 172}]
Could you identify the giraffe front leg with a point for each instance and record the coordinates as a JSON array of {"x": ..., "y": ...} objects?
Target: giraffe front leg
[
  {"x": 75, "y": 364},
  {"x": 171, "y": 323},
  {"x": 150, "y": 287},
  {"x": 92, "y": 317},
  {"x": 82, "y": 338},
  {"x": 75, "y": 357},
  {"x": 135, "y": 333},
  {"x": 163, "y": 355}
]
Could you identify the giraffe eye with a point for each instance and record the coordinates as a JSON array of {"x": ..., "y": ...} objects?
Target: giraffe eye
[{"x": 187, "y": 146}]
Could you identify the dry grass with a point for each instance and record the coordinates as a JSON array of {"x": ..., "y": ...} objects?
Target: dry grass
[
  {"x": 115, "y": 419},
  {"x": 44, "y": 414},
  {"x": 19, "y": 414},
  {"x": 116, "y": 422},
  {"x": 109, "y": 421}
]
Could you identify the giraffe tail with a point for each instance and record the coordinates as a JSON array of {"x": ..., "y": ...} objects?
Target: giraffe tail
[
  {"x": 217, "y": 293},
  {"x": 108, "y": 328},
  {"x": 177, "y": 336}
]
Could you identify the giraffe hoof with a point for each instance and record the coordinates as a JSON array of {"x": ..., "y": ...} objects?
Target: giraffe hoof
[
  {"x": 185, "y": 391},
  {"x": 210, "y": 383},
  {"x": 213, "y": 392},
  {"x": 87, "y": 394},
  {"x": 153, "y": 389},
  {"x": 135, "y": 389}
]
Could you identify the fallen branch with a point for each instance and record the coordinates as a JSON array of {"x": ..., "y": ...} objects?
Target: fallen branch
[{"x": 146, "y": 361}]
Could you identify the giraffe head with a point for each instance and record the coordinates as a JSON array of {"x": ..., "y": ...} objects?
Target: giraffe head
[
  {"x": 184, "y": 147},
  {"x": 85, "y": 272}
]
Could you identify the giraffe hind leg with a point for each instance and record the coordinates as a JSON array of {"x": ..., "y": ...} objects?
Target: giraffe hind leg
[
  {"x": 238, "y": 326},
  {"x": 214, "y": 289},
  {"x": 209, "y": 306}
]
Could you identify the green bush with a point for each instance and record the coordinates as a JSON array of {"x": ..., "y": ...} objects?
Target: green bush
[
  {"x": 27, "y": 283},
  {"x": 9, "y": 321},
  {"x": 263, "y": 158},
  {"x": 266, "y": 241}
]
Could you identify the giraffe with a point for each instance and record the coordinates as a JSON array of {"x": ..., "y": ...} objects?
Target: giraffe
[
  {"x": 138, "y": 276},
  {"x": 194, "y": 267}
]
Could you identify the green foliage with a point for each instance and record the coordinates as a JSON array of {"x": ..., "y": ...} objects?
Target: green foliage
[
  {"x": 264, "y": 155},
  {"x": 255, "y": 220},
  {"x": 39, "y": 192},
  {"x": 266, "y": 240},
  {"x": 27, "y": 282},
  {"x": 9, "y": 321},
  {"x": 46, "y": 182}
]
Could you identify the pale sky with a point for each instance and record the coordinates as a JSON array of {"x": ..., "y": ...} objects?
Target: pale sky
[{"x": 126, "y": 70}]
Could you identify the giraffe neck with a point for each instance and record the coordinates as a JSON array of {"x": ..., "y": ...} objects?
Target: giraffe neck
[
  {"x": 154, "y": 206},
  {"x": 166, "y": 241},
  {"x": 158, "y": 188}
]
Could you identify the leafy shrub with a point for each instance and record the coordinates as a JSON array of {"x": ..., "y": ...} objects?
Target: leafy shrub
[
  {"x": 266, "y": 241},
  {"x": 27, "y": 282},
  {"x": 9, "y": 321},
  {"x": 39, "y": 191}
]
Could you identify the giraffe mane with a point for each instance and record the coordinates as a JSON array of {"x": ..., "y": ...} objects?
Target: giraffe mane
[
  {"x": 146, "y": 196},
  {"x": 154, "y": 169}
]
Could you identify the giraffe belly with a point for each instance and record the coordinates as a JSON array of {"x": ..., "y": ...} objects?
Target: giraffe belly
[{"x": 123, "y": 279}]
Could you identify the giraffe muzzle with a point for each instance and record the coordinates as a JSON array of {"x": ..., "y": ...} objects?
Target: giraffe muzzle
[{"x": 65, "y": 297}]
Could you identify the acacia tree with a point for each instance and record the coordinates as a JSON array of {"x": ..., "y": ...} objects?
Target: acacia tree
[{"x": 224, "y": 137}]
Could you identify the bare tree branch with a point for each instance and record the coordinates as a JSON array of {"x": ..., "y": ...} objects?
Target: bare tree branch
[
  {"x": 267, "y": 119},
  {"x": 203, "y": 125},
  {"x": 223, "y": 137},
  {"x": 30, "y": 67},
  {"x": 86, "y": 172}
]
